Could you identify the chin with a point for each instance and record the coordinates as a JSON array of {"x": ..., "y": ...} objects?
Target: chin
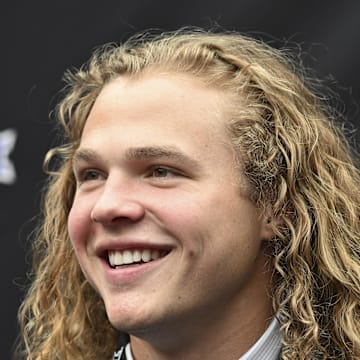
[{"x": 129, "y": 320}]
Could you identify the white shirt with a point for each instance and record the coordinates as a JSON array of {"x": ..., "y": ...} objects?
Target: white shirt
[{"x": 268, "y": 347}]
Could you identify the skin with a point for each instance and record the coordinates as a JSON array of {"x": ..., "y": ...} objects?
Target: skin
[{"x": 154, "y": 170}]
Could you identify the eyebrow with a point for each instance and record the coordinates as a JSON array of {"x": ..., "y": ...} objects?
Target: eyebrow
[
  {"x": 157, "y": 152},
  {"x": 85, "y": 155},
  {"x": 140, "y": 153}
]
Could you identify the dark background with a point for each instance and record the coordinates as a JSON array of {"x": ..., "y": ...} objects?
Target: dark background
[{"x": 40, "y": 39}]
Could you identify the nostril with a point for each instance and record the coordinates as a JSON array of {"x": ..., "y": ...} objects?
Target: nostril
[
  {"x": 107, "y": 212},
  {"x": 93, "y": 217}
]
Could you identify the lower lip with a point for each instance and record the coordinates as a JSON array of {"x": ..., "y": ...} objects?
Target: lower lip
[{"x": 125, "y": 275}]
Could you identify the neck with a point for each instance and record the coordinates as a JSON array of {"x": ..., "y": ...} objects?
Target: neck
[{"x": 215, "y": 343}]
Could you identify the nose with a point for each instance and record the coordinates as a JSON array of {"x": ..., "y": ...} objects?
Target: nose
[{"x": 117, "y": 202}]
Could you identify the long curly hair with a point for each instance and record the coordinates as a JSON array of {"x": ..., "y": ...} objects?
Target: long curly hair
[{"x": 297, "y": 162}]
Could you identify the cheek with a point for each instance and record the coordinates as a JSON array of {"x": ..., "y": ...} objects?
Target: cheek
[
  {"x": 179, "y": 214},
  {"x": 79, "y": 223}
]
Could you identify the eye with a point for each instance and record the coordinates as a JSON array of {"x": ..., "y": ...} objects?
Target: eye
[
  {"x": 163, "y": 172},
  {"x": 88, "y": 175}
]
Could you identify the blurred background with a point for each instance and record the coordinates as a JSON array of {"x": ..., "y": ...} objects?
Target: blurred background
[{"x": 41, "y": 39}]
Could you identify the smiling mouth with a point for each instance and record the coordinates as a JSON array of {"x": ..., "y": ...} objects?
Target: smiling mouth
[{"x": 118, "y": 259}]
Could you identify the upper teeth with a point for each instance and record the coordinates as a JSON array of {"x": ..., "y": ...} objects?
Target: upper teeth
[{"x": 126, "y": 257}]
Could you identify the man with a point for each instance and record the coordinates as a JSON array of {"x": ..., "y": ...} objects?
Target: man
[{"x": 205, "y": 208}]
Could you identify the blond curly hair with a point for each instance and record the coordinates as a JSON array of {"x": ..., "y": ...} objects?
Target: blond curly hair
[{"x": 296, "y": 160}]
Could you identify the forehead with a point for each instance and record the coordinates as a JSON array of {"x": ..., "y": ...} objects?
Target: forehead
[
  {"x": 162, "y": 111},
  {"x": 159, "y": 93}
]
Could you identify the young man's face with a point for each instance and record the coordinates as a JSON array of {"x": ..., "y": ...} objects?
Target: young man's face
[{"x": 157, "y": 174}]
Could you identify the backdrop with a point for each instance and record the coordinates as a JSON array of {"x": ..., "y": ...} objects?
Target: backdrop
[{"x": 39, "y": 40}]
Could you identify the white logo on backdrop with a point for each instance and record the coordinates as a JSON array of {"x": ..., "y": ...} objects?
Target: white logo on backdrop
[{"x": 7, "y": 168}]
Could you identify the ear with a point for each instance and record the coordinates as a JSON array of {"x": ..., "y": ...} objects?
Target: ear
[{"x": 269, "y": 224}]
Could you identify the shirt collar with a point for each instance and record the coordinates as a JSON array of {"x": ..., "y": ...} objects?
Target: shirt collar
[{"x": 268, "y": 347}]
